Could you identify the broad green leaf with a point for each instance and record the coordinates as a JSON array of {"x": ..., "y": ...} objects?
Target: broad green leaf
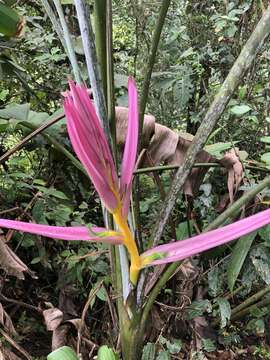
[
  {"x": 163, "y": 355},
  {"x": 266, "y": 157},
  {"x": 149, "y": 352},
  {"x": 238, "y": 257},
  {"x": 225, "y": 311},
  {"x": 217, "y": 148},
  {"x": 11, "y": 24},
  {"x": 174, "y": 346},
  {"x": 15, "y": 111},
  {"x": 182, "y": 230},
  {"x": 63, "y": 353},
  {"x": 240, "y": 110},
  {"x": 208, "y": 345},
  {"x": 265, "y": 139},
  {"x": 260, "y": 258},
  {"x": 106, "y": 353}
]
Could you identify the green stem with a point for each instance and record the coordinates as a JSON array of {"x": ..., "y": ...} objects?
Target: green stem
[
  {"x": 236, "y": 206},
  {"x": 70, "y": 50},
  {"x": 110, "y": 78},
  {"x": 151, "y": 61},
  {"x": 55, "y": 23},
  {"x": 100, "y": 37},
  {"x": 88, "y": 41},
  {"x": 154, "y": 293},
  {"x": 251, "y": 300},
  {"x": 246, "y": 311},
  {"x": 210, "y": 119}
]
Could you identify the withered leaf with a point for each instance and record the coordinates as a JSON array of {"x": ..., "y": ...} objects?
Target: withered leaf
[
  {"x": 11, "y": 263},
  {"x": 53, "y": 318}
]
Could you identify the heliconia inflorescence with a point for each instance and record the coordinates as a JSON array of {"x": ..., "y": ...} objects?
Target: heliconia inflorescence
[{"x": 90, "y": 144}]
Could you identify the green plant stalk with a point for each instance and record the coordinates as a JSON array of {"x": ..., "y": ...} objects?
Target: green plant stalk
[
  {"x": 262, "y": 303},
  {"x": 167, "y": 274},
  {"x": 57, "y": 28},
  {"x": 251, "y": 300},
  {"x": 210, "y": 119},
  {"x": 101, "y": 39},
  {"x": 88, "y": 41},
  {"x": 69, "y": 46},
  {"x": 236, "y": 206},
  {"x": 151, "y": 61},
  {"x": 110, "y": 78}
]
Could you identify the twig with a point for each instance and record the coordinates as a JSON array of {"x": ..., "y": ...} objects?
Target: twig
[
  {"x": 21, "y": 303},
  {"x": 29, "y": 137},
  {"x": 82, "y": 322},
  {"x": 15, "y": 345}
]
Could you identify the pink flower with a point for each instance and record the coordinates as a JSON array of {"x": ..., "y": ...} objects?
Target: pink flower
[
  {"x": 179, "y": 250},
  {"x": 65, "y": 232}
]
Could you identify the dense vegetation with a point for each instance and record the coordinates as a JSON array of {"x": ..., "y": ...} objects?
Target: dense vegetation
[{"x": 206, "y": 310}]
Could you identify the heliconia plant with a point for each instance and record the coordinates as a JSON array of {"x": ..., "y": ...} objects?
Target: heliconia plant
[{"x": 91, "y": 146}]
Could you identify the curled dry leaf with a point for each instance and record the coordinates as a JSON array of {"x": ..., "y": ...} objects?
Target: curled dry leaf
[
  {"x": 11, "y": 263},
  {"x": 6, "y": 321},
  {"x": 234, "y": 166},
  {"x": 53, "y": 318}
]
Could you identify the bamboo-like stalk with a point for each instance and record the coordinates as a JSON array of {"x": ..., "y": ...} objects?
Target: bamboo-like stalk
[
  {"x": 110, "y": 78},
  {"x": 55, "y": 23},
  {"x": 92, "y": 63},
  {"x": 210, "y": 119},
  {"x": 69, "y": 46},
  {"x": 237, "y": 205},
  {"x": 101, "y": 36},
  {"x": 151, "y": 61}
]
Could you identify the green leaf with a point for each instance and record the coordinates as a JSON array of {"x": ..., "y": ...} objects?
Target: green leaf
[
  {"x": 240, "y": 110},
  {"x": 197, "y": 308},
  {"x": 238, "y": 257},
  {"x": 63, "y": 353},
  {"x": 106, "y": 353},
  {"x": 174, "y": 346},
  {"x": 208, "y": 345},
  {"x": 149, "y": 352},
  {"x": 11, "y": 25},
  {"x": 15, "y": 111},
  {"x": 260, "y": 258},
  {"x": 182, "y": 231},
  {"x": 265, "y": 139},
  {"x": 163, "y": 355},
  {"x": 217, "y": 148},
  {"x": 266, "y": 157},
  {"x": 225, "y": 311}
]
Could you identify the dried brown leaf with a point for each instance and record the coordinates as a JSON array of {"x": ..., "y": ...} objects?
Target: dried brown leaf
[
  {"x": 6, "y": 321},
  {"x": 164, "y": 145},
  {"x": 11, "y": 263},
  {"x": 53, "y": 318},
  {"x": 235, "y": 171}
]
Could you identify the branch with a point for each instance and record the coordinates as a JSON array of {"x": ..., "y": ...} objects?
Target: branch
[{"x": 216, "y": 109}]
